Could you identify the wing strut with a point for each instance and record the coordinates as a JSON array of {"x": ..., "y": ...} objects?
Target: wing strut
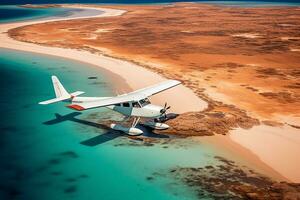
[{"x": 135, "y": 122}]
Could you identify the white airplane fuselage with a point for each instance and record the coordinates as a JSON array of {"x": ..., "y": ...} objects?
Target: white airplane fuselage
[
  {"x": 134, "y": 109},
  {"x": 149, "y": 111}
]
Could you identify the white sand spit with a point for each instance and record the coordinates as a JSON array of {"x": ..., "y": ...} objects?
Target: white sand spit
[
  {"x": 295, "y": 50},
  {"x": 247, "y": 35},
  {"x": 102, "y": 30},
  {"x": 290, "y": 38}
]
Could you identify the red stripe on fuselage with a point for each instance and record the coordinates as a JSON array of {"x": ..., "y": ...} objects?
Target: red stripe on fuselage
[{"x": 75, "y": 107}]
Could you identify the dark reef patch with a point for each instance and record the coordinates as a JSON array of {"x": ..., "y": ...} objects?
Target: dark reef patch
[
  {"x": 70, "y": 180},
  {"x": 227, "y": 180},
  {"x": 98, "y": 83},
  {"x": 52, "y": 68},
  {"x": 92, "y": 77},
  {"x": 54, "y": 161},
  {"x": 8, "y": 129},
  {"x": 71, "y": 189},
  {"x": 69, "y": 154},
  {"x": 83, "y": 176},
  {"x": 150, "y": 178}
]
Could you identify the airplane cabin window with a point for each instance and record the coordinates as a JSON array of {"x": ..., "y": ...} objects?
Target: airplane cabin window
[{"x": 126, "y": 104}]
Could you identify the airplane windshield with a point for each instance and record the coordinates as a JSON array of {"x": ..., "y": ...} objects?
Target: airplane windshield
[
  {"x": 144, "y": 102},
  {"x": 136, "y": 105}
]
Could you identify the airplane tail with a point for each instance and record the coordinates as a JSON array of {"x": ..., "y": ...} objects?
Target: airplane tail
[{"x": 60, "y": 92}]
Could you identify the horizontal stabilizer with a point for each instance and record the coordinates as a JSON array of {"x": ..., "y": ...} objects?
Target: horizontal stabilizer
[
  {"x": 60, "y": 92},
  {"x": 54, "y": 100},
  {"x": 77, "y": 93}
]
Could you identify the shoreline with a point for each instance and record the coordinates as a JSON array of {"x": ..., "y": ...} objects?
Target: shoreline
[
  {"x": 238, "y": 153},
  {"x": 284, "y": 146},
  {"x": 146, "y": 77}
]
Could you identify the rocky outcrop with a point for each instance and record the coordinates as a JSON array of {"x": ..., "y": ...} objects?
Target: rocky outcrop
[
  {"x": 227, "y": 180},
  {"x": 216, "y": 120}
]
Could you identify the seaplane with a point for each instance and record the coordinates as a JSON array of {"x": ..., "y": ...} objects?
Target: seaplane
[{"x": 134, "y": 105}]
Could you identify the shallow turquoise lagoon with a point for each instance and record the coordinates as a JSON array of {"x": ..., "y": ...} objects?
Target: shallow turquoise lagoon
[{"x": 51, "y": 152}]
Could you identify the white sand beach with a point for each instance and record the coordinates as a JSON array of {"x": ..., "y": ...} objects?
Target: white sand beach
[{"x": 279, "y": 147}]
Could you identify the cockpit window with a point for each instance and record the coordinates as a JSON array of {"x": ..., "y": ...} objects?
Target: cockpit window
[
  {"x": 144, "y": 102},
  {"x": 136, "y": 105}
]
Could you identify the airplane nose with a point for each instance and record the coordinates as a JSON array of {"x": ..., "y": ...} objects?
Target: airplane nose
[{"x": 155, "y": 110}]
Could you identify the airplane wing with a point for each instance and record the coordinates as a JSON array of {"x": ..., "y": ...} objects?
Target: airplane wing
[
  {"x": 106, "y": 102},
  {"x": 132, "y": 96},
  {"x": 154, "y": 89}
]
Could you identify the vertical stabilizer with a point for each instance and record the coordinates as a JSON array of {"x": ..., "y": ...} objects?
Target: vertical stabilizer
[
  {"x": 60, "y": 93},
  {"x": 59, "y": 89}
]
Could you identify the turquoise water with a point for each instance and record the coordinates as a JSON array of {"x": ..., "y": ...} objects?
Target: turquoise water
[
  {"x": 15, "y": 13},
  {"x": 76, "y": 157}
]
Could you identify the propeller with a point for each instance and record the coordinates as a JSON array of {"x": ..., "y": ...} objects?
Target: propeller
[{"x": 164, "y": 110}]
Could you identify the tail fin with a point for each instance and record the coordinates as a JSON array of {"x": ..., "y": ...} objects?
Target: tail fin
[
  {"x": 60, "y": 92},
  {"x": 59, "y": 89}
]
